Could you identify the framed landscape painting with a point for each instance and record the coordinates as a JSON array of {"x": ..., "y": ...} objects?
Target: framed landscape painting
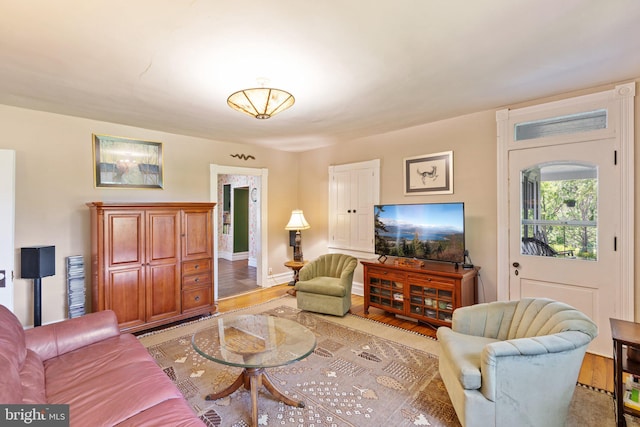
[
  {"x": 429, "y": 174},
  {"x": 127, "y": 163}
]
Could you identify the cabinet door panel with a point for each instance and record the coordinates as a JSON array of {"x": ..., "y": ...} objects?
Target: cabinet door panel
[
  {"x": 163, "y": 291},
  {"x": 126, "y": 296},
  {"x": 125, "y": 231},
  {"x": 198, "y": 240},
  {"x": 163, "y": 236}
]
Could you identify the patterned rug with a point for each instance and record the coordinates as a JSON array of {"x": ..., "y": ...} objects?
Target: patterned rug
[{"x": 362, "y": 373}]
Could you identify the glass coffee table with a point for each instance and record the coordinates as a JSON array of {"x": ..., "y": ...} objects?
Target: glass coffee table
[{"x": 254, "y": 342}]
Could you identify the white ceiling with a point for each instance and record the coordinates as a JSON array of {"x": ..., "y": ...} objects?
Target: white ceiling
[{"x": 355, "y": 67}]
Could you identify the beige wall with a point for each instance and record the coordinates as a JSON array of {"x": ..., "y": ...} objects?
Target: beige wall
[
  {"x": 54, "y": 180},
  {"x": 473, "y": 141}
]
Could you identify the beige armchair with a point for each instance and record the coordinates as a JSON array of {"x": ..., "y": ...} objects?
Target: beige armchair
[
  {"x": 324, "y": 285},
  {"x": 514, "y": 363}
]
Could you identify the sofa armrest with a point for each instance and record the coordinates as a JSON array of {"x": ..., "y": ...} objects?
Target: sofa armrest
[
  {"x": 62, "y": 337},
  {"x": 346, "y": 281},
  {"x": 548, "y": 360}
]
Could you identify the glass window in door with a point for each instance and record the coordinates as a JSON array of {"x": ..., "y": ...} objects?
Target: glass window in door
[{"x": 560, "y": 211}]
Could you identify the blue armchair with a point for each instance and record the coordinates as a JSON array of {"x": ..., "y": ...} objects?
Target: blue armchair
[{"x": 514, "y": 363}]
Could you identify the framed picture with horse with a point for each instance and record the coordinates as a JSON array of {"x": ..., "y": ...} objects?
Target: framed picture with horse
[{"x": 429, "y": 174}]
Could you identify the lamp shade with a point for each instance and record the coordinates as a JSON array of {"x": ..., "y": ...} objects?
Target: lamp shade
[
  {"x": 297, "y": 221},
  {"x": 262, "y": 102}
]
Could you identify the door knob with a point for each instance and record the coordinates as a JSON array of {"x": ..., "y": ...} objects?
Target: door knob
[{"x": 516, "y": 264}]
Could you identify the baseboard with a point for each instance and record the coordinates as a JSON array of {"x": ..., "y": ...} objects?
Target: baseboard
[
  {"x": 278, "y": 279},
  {"x": 357, "y": 289}
]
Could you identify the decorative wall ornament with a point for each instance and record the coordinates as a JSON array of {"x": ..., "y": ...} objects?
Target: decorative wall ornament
[
  {"x": 128, "y": 163},
  {"x": 429, "y": 174},
  {"x": 243, "y": 156}
]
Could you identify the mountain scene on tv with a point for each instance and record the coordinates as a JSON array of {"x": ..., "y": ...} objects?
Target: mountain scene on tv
[{"x": 433, "y": 232}]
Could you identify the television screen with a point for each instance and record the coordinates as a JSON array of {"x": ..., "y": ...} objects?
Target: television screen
[{"x": 429, "y": 231}]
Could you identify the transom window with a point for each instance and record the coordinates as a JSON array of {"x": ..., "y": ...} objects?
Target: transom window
[{"x": 559, "y": 125}]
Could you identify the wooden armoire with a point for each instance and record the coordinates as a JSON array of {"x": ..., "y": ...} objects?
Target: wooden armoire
[{"x": 151, "y": 263}]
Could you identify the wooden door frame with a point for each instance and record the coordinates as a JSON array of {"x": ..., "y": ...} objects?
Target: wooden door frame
[
  {"x": 7, "y": 219},
  {"x": 621, "y": 97},
  {"x": 262, "y": 253}
]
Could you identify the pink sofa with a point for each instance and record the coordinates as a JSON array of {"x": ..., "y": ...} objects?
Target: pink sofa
[{"x": 108, "y": 379}]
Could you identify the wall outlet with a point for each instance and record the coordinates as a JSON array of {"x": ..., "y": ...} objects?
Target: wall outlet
[{"x": 270, "y": 271}]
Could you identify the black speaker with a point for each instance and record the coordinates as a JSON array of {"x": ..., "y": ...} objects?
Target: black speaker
[{"x": 38, "y": 261}]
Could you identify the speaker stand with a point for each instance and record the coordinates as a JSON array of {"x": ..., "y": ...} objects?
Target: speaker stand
[{"x": 37, "y": 302}]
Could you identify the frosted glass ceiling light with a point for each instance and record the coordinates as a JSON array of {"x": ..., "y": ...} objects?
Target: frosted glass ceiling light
[{"x": 262, "y": 102}]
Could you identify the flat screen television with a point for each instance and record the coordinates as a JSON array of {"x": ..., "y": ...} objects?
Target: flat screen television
[{"x": 426, "y": 231}]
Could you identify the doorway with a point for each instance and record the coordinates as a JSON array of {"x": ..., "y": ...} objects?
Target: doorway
[
  {"x": 7, "y": 224},
  {"x": 240, "y": 225},
  {"x": 565, "y": 206},
  {"x": 256, "y": 257}
]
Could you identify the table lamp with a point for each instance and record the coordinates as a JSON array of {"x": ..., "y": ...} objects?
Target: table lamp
[{"x": 297, "y": 223}]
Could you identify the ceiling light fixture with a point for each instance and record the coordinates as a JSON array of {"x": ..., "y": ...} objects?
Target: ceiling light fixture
[{"x": 261, "y": 102}]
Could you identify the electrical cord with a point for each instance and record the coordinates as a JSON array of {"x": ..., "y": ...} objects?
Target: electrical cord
[
  {"x": 470, "y": 265},
  {"x": 484, "y": 296}
]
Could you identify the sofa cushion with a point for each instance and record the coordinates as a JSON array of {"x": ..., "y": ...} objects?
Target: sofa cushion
[
  {"x": 32, "y": 379},
  {"x": 322, "y": 285},
  {"x": 10, "y": 384},
  {"x": 464, "y": 353},
  {"x": 117, "y": 370},
  {"x": 12, "y": 355}
]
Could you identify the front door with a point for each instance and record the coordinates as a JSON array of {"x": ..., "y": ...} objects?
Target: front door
[{"x": 564, "y": 229}]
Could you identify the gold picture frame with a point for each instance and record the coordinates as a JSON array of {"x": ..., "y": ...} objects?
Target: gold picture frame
[
  {"x": 429, "y": 174},
  {"x": 127, "y": 163}
]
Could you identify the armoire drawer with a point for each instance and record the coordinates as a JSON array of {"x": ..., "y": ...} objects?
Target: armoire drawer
[
  {"x": 201, "y": 279},
  {"x": 196, "y": 298},
  {"x": 197, "y": 266}
]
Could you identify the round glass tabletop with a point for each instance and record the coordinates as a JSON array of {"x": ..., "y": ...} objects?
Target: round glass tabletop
[{"x": 254, "y": 341}]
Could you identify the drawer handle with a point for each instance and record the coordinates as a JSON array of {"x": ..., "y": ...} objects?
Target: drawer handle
[
  {"x": 197, "y": 298},
  {"x": 197, "y": 279},
  {"x": 197, "y": 266}
]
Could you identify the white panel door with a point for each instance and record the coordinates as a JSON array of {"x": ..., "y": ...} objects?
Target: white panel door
[
  {"x": 563, "y": 243},
  {"x": 353, "y": 191},
  {"x": 341, "y": 203},
  {"x": 363, "y": 198},
  {"x": 7, "y": 222}
]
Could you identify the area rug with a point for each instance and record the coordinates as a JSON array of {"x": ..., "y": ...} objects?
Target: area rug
[{"x": 362, "y": 373}]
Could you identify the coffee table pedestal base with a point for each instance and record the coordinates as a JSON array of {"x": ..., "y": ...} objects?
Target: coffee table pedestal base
[{"x": 252, "y": 379}]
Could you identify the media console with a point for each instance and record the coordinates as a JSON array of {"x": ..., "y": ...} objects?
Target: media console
[{"x": 425, "y": 291}]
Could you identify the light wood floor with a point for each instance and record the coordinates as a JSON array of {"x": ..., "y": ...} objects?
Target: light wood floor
[{"x": 596, "y": 371}]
